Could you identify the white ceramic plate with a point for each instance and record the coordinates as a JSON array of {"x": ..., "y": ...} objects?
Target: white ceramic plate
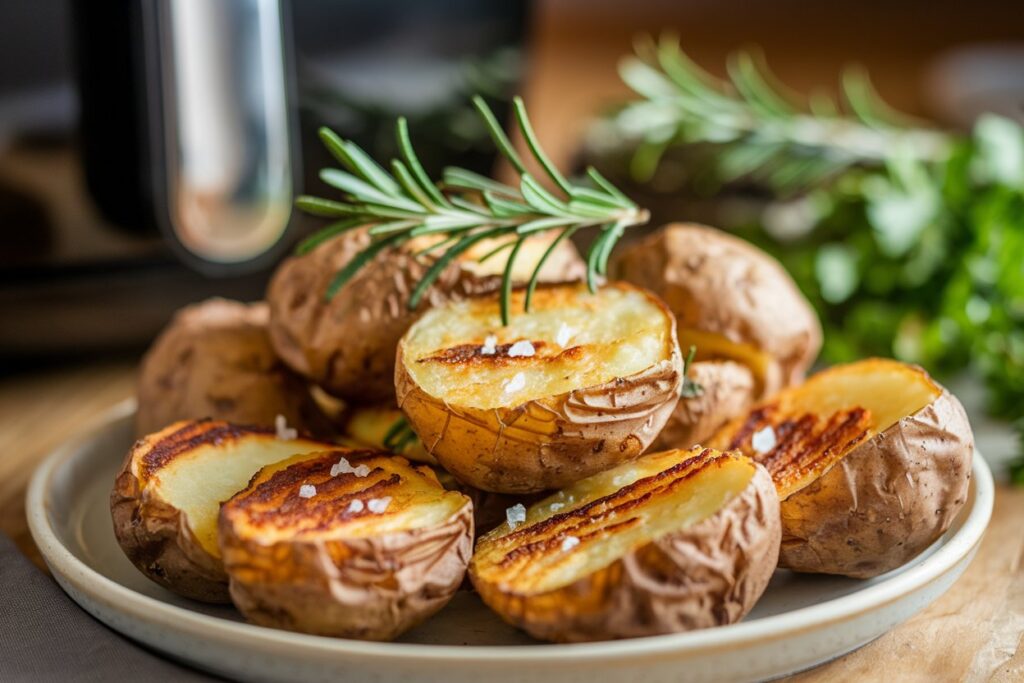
[{"x": 801, "y": 621}]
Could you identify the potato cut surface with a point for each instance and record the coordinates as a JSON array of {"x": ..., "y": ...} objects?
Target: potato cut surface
[
  {"x": 339, "y": 494},
  {"x": 802, "y": 431},
  {"x": 711, "y": 346},
  {"x": 195, "y": 466},
  {"x": 570, "y": 339},
  {"x": 593, "y": 523}
]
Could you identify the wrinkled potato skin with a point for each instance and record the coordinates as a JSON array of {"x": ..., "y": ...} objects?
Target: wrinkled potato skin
[
  {"x": 715, "y": 282},
  {"x": 546, "y": 443},
  {"x": 710, "y": 574},
  {"x": 372, "y": 588},
  {"x": 729, "y": 389},
  {"x": 215, "y": 360},
  {"x": 155, "y": 539},
  {"x": 886, "y": 501},
  {"x": 346, "y": 345}
]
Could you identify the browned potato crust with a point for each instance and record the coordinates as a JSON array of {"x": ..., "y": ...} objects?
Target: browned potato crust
[
  {"x": 730, "y": 299},
  {"x": 356, "y": 555},
  {"x": 872, "y": 461},
  {"x": 165, "y": 499},
  {"x": 215, "y": 360},
  {"x": 727, "y": 389},
  {"x": 569, "y": 414},
  {"x": 674, "y": 541},
  {"x": 347, "y": 345}
]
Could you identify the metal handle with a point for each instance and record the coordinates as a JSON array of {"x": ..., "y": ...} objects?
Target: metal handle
[{"x": 227, "y": 140}]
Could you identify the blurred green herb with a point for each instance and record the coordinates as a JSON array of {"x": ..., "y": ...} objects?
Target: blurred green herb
[
  {"x": 468, "y": 208},
  {"x": 909, "y": 241},
  {"x": 690, "y": 388},
  {"x": 399, "y": 436}
]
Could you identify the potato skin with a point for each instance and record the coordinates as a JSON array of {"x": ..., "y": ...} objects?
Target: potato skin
[
  {"x": 715, "y": 282},
  {"x": 729, "y": 389},
  {"x": 371, "y": 588},
  {"x": 707, "y": 575},
  {"x": 215, "y": 360},
  {"x": 547, "y": 443},
  {"x": 153, "y": 536},
  {"x": 887, "y": 500},
  {"x": 346, "y": 345}
]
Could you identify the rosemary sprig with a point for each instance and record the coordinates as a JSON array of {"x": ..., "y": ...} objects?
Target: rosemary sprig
[
  {"x": 399, "y": 436},
  {"x": 689, "y": 387},
  {"x": 759, "y": 129},
  {"x": 402, "y": 204}
]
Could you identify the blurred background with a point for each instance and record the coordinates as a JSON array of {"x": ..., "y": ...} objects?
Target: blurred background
[{"x": 150, "y": 151}]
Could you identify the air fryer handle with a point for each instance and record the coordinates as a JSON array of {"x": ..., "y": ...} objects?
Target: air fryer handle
[{"x": 224, "y": 144}]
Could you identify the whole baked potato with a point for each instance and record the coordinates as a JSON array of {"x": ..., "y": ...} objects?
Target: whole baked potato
[
  {"x": 215, "y": 360},
  {"x": 346, "y": 343},
  {"x": 581, "y": 383},
  {"x": 872, "y": 461},
  {"x": 671, "y": 542},
  {"x": 340, "y": 544},
  {"x": 733, "y": 302},
  {"x": 166, "y": 498}
]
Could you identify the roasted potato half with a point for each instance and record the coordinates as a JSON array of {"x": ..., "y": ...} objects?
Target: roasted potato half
[
  {"x": 872, "y": 462},
  {"x": 674, "y": 541},
  {"x": 346, "y": 344},
  {"x": 733, "y": 302},
  {"x": 356, "y": 545},
  {"x": 215, "y": 360},
  {"x": 579, "y": 384},
  {"x": 168, "y": 493}
]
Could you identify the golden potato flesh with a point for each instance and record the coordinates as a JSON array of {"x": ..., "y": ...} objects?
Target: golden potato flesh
[
  {"x": 871, "y": 460},
  {"x": 167, "y": 496},
  {"x": 215, "y": 360},
  {"x": 346, "y": 343},
  {"x": 731, "y": 300},
  {"x": 579, "y": 384},
  {"x": 345, "y": 543},
  {"x": 673, "y": 541},
  {"x": 369, "y": 426}
]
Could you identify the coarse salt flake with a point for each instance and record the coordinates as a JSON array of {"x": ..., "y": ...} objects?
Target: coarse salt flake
[
  {"x": 354, "y": 507},
  {"x": 343, "y": 466},
  {"x": 569, "y": 542},
  {"x": 522, "y": 348},
  {"x": 515, "y": 384},
  {"x": 565, "y": 333},
  {"x": 378, "y": 505},
  {"x": 284, "y": 432},
  {"x": 763, "y": 440},
  {"x": 555, "y": 507},
  {"x": 515, "y": 515},
  {"x": 490, "y": 346},
  {"x": 307, "y": 491}
]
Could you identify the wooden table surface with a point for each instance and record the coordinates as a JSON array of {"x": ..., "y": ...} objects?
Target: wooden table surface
[{"x": 973, "y": 633}]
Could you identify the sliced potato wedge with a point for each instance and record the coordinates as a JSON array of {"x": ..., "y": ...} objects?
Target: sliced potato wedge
[
  {"x": 674, "y": 541},
  {"x": 349, "y": 544},
  {"x": 872, "y": 462},
  {"x": 579, "y": 384},
  {"x": 168, "y": 493}
]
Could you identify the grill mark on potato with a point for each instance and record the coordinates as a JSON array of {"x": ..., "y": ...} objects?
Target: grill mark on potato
[
  {"x": 191, "y": 436},
  {"x": 623, "y": 501},
  {"x": 805, "y": 444},
  {"x": 548, "y": 545},
  {"x": 472, "y": 354}
]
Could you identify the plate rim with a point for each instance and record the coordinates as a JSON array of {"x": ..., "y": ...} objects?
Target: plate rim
[{"x": 84, "y": 578}]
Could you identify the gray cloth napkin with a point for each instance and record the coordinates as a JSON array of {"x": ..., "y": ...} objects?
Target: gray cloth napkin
[{"x": 45, "y": 636}]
